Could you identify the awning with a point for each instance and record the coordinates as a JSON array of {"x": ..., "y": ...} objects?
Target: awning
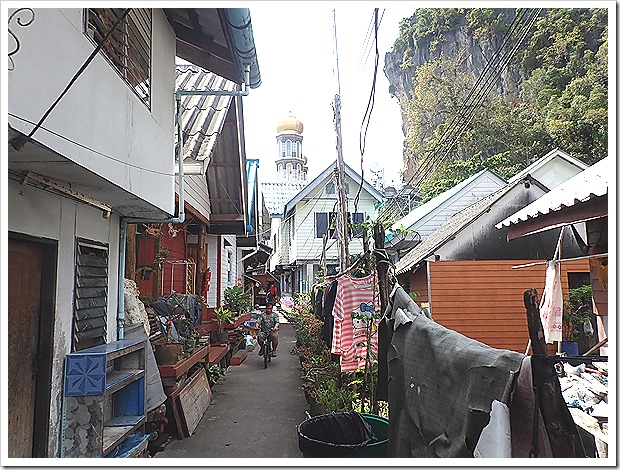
[{"x": 583, "y": 197}]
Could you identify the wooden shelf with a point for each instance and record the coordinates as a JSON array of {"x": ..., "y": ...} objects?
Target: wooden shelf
[
  {"x": 176, "y": 370},
  {"x": 114, "y": 349},
  {"x": 239, "y": 321},
  {"x": 119, "y": 378},
  {"x": 113, "y": 435},
  {"x": 217, "y": 353}
]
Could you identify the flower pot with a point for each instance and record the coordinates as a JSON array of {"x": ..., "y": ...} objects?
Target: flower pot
[
  {"x": 221, "y": 337},
  {"x": 168, "y": 353}
]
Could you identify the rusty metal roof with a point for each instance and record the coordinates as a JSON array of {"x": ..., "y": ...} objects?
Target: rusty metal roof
[
  {"x": 202, "y": 116},
  {"x": 590, "y": 183},
  {"x": 212, "y": 129}
]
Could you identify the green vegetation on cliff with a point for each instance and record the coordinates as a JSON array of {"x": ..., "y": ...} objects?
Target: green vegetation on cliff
[{"x": 560, "y": 99}]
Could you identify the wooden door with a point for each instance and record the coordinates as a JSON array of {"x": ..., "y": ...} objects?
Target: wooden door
[{"x": 24, "y": 273}]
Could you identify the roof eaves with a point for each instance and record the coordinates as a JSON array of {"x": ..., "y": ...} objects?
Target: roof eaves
[{"x": 451, "y": 228}]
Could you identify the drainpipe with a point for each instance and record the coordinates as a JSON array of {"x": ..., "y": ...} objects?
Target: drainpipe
[{"x": 120, "y": 318}]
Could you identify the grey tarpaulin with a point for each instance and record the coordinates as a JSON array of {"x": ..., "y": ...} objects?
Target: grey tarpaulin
[
  {"x": 441, "y": 385},
  {"x": 155, "y": 395}
]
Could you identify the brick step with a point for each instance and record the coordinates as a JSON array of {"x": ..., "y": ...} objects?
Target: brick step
[{"x": 239, "y": 357}]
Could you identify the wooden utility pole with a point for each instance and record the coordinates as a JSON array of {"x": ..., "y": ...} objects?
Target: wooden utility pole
[{"x": 343, "y": 230}]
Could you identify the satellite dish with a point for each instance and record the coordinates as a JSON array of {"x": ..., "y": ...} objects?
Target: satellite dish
[{"x": 375, "y": 167}]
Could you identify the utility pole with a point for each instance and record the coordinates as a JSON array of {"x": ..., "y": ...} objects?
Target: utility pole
[{"x": 343, "y": 230}]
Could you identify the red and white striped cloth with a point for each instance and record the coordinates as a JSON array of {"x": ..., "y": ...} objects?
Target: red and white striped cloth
[{"x": 354, "y": 295}]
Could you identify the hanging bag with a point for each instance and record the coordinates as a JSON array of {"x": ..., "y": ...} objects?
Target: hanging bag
[{"x": 551, "y": 303}]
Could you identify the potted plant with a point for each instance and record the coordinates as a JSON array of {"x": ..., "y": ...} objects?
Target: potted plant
[
  {"x": 237, "y": 300},
  {"x": 145, "y": 272},
  {"x": 577, "y": 311},
  {"x": 222, "y": 317}
]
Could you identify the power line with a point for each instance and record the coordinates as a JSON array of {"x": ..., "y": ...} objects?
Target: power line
[
  {"x": 461, "y": 119},
  {"x": 118, "y": 160},
  {"x": 21, "y": 141},
  {"x": 365, "y": 49},
  {"x": 369, "y": 108}
]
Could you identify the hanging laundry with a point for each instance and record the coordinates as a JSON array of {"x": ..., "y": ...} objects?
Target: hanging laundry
[
  {"x": 328, "y": 315},
  {"x": 441, "y": 386},
  {"x": 355, "y": 303},
  {"x": 551, "y": 303}
]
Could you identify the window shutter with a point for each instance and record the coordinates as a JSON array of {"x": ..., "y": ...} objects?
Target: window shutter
[{"x": 91, "y": 296}]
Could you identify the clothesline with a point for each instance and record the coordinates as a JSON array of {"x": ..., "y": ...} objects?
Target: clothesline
[{"x": 599, "y": 255}]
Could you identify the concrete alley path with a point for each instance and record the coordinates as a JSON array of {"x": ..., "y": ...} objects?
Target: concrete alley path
[{"x": 254, "y": 412}]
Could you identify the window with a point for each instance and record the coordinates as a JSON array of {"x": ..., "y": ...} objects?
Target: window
[
  {"x": 288, "y": 148},
  {"x": 299, "y": 149},
  {"x": 330, "y": 188},
  {"x": 295, "y": 149},
  {"x": 358, "y": 218},
  {"x": 230, "y": 269},
  {"x": 91, "y": 295},
  {"x": 289, "y": 170},
  {"x": 282, "y": 149},
  {"x": 129, "y": 47},
  {"x": 325, "y": 222},
  {"x": 321, "y": 225}
]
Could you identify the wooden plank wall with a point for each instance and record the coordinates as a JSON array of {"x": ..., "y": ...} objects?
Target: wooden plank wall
[
  {"x": 484, "y": 299},
  {"x": 177, "y": 248},
  {"x": 419, "y": 285}
]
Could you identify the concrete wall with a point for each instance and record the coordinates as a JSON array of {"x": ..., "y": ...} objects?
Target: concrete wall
[
  {"x": 100, "y": 111},
  {"x": 41, "y": 214}
]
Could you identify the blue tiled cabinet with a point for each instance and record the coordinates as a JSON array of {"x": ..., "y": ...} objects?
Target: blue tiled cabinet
[{"x": 104, "y": 401}]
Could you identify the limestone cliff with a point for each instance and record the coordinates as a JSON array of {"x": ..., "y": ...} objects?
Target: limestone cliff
[{"x": 455, "y": 37}]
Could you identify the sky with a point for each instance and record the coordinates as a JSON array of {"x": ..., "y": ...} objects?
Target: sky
[{"x": 296, "y": 56}]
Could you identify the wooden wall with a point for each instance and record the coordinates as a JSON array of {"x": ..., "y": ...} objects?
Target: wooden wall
[
  {"x": 484, "y": 299},
  {"x": 419, "y": 285},
  {"x": 177, "y": 248}
]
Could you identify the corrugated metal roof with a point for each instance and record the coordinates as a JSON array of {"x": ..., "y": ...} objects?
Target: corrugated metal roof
[
  {"x": 277, "y": 194},
  {"x": 591, "y": 182},
  {"x": 453, "y": 226},
  {"x": 202, "y": 116}
]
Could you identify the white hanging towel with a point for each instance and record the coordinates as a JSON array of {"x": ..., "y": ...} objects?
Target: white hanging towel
[{"x": 551, "y": 303}]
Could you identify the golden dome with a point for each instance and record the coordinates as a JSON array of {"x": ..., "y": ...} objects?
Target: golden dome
[{"x": 291, "y": 125}]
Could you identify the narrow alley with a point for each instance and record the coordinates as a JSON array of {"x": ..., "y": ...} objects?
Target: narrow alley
[{"x": 254, "y": 412}]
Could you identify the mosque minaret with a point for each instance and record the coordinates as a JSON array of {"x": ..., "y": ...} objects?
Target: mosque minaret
[{"x": 291, "y": 165}]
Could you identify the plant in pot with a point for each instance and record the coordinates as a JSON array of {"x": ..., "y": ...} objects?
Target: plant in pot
[
  {"x": 145, "y": 272},
  {"x": 222, "y": 317},
  {"x": 577, "y": 312},
  {"x": 237, "y": 300}
]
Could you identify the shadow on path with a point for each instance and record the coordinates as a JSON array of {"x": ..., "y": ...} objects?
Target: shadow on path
[{"x": 254, "y": 412}]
